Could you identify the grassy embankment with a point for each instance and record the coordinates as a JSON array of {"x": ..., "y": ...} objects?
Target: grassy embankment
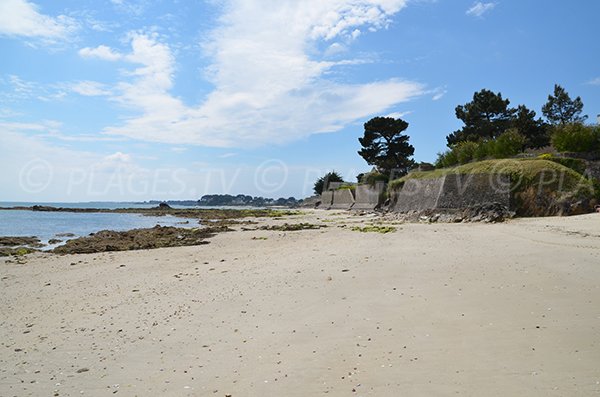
[{"x": 538, "y": 186}]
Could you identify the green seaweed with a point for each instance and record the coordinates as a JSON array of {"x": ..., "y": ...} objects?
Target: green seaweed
[{"x": 374, "y": 229}]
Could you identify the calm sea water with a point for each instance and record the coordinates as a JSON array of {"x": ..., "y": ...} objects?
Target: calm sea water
[
  {"x": 46, "y": 225},
  {"x": 88, "y": 204}
]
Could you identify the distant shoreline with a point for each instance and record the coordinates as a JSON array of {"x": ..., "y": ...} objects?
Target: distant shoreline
[{"x": 218, "y": 212}]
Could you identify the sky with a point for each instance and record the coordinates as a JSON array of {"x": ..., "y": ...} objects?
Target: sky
[{"x": 117, "y": 100}]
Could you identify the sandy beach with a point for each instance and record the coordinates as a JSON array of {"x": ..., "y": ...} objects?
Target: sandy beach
[{"x": 510, "y": 309}]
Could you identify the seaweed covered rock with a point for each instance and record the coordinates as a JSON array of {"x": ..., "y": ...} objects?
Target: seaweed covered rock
[{"x": 137, "y": 239}]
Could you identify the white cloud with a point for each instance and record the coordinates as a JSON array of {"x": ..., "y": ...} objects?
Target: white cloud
[
  {"x": 89, "y": 88},
  {"x": 23, "y": 90},
  {"x": 479, "y": 8},
  {"x": 133, "y": 7},
  {"x": 101, "y": 52},
  {"x": 335, "y": 49},
  {"x": 179, "y": 149},
  {"x": 439, "y": 94},
  {"x": 398, "y": 115},
  {"x": 22, "y": 18},
  {"x": 595, "y": 81},
  {"x": 267, "y": 87}
]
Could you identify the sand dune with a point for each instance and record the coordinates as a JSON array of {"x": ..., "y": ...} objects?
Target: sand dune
[{"x": 429, "y": 310}]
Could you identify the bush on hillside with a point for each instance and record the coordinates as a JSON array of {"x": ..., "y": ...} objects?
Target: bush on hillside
[
  {"x": 371, "y": 178},
  {"x": 506, "y": 145},
  {"x": 576, "y": 137},
  {"x": 576, "y": 165}
]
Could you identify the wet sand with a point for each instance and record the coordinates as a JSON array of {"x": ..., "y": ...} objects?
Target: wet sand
[{"x": 431, "y": 309}]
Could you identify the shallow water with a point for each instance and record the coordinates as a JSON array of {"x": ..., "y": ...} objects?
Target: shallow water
[{"x": 46, "y": 225}]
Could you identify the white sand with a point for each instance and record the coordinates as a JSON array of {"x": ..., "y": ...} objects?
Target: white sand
[{"x": 431, "y": 310}]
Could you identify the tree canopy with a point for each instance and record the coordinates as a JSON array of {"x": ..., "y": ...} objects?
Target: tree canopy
[
  {"x": 323, "y": 181},
  {"x": 385, "y": 147},
  {"x": 535, "y": 131},
  {"x": 561, "y": 109},
  {"x": 486, "y": 117}
]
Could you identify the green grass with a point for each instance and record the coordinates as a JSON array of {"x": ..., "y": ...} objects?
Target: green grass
[{"x": 523, "y": 172}]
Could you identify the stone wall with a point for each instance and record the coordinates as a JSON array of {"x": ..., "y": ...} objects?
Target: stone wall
[
  {"x": 462, "y": 191},
  {"x": 418, "y": 195},
  {"x": 368, "y": 197},
  {"x": 326, "y": 199},
  {"x": 343, "y": 199},
  {"x": 453, "y": 191}
]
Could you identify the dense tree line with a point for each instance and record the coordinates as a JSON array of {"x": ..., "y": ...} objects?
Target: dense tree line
[{"x": 491, "y": 129}]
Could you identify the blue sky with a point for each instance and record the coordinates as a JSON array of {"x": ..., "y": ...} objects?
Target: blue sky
[{"x": 151, "y": 99}]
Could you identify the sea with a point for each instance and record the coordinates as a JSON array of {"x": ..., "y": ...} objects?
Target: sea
[{"x": 49, "y": 225}]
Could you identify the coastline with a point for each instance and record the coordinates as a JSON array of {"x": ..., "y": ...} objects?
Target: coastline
[{"x": 430, "y": 309}]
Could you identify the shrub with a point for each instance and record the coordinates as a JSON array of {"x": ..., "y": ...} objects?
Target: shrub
[
  {"x": 446, "y": 159},
  {"x": 371, "y": 178},
  {"x": 482, "y": 152},
  {"x": 506, "y": 145},
  {"x": 465, "y": 151},
  {"x": 576, "y": 165},
  {"x": 576, "y": 137}
]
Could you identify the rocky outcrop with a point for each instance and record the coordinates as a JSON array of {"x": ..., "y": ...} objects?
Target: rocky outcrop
[
  {"x": 486, "y": 213},
  {"x": 137, "y": 239}
]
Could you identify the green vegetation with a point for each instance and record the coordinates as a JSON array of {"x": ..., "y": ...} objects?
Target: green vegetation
[
  {"x": 506, "y": 145},
  {"x": 488, "y": 117},
  {"x": 538, "y": 187},
  {"x": 385, "y": 147},
  {"x": 561, "y": 109},
  {"x": 323, "y": 181},
  {"x": 371, "y": 178},
  {"x": 576, "y": 165},
  {"x": 286, "y": 227},
  {"x": 347, "y": 187},
  {"x": 492, "y": 136},
  {"x": 576, "y": 137},
  {"x": 374, "y": 229},
  {"x": 16, "y": 251},
  {"x": 523, "y": 173}
]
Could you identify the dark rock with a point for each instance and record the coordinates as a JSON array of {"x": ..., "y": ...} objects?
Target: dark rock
[
  {"x": 65, "y": 235},
  {"x": 136, "y": 239},
  {"x": 488, "y": 213},
  {"x": 10, "y": 241}
]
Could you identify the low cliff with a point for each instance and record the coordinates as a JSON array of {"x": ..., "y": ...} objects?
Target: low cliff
[{"x": 530, "y": 187}]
